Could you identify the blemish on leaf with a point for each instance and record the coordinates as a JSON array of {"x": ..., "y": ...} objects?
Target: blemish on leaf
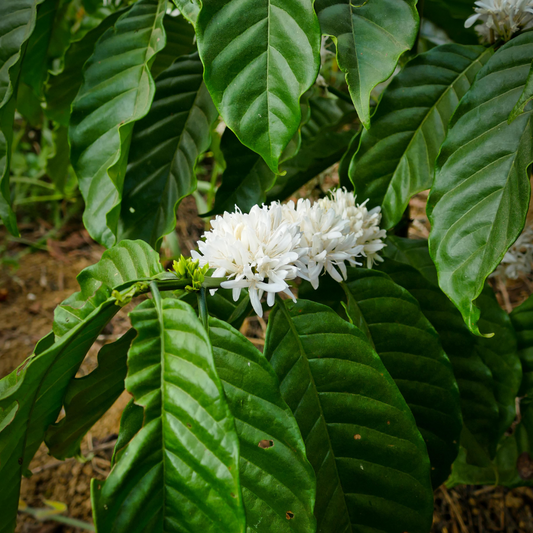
[
  {"x": 388, "y": 422},
  {"x": 232, "y": 495},
  {"x": 266, "y": 444},
  {"x": 189, "y": 426},
  {"x": 357, "y": 437},
  {"x": 289, "y": 515},
  {"x": 19, "y": 460}
]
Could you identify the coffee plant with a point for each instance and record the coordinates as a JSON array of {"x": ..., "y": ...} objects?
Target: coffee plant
[{"x": 389, "y": 367}]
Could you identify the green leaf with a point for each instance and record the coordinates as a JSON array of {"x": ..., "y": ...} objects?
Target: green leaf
[
  {"x": 525, "y": 98},
  {"x": 324, "y": 139},
  {"x": 181, "y": 468},
  {"x": 36, "y": 62},
  {"x": 487, "y": 370},
  {"x": 17, "y": 21},
  {"x": 63, "y": 86},
  {"x": 370, "y": 38},
  {"x": 512, "y": 464},
  {"x": 370, "y": 460},
  {"x": 117, "y": 91},
  {"x": 180, "y": 42},
  {"x": 522, "y": 319},
  {"x": 396, "y": 157},
  {"x": 346, "y": 159},
  {"x": 450, "y": 15},
  {"x": 58, "y": 163},
  {"x": 276, "y": 477},
  {"x": 259, "y": 60},
  {"x": 246, "y": 179},
  {"x": 125, "y": 263},
  {"x": 189, "y": 9},
  {"x": 161, "y": 170},
  {"x": 88, "y": 398},
  {"x": 32, "y": 397},
  {"x": 131, "y": 422},
  {"x": 480, "y": 196},
  {"x": 411, "y": 351}
]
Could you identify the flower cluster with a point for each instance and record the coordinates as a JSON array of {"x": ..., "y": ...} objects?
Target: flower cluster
[
  {"x": 518, "y": 260},
  {"x": 264, "y": 249},
  {"x": 500, "y": 19}
]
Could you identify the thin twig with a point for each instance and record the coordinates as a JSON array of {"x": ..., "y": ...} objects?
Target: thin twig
[{"x": 454, "y": 509}]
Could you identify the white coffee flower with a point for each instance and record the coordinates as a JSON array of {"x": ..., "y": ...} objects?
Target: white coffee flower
[
  {"x": 500, "y": 19},
  {"x": 257, "y": 251},
  {"x": 518, "y": 261},
  {"x": 327, "y": 238},
  {"x": 364, "y": 223}
]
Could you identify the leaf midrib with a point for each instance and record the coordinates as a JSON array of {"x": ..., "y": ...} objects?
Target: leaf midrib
[
  {"x": 303, "y": 356},
  {"x": 429, "y": 112}
]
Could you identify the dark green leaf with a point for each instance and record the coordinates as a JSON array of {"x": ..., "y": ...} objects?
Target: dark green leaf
[
  {"x": 276, "y": 477},
  {"x": 487, "y": 370},
  {"x": 325, "y": 137},
  {"x": 161, "y": 169},
  {"x": 246, "y": 179},
  {"x": 480, "y": 196},
  {"x": 63, "y": 86},
  {"x": 397, "y": 155},
  {"x": 127, "y": 262},
  {"x": 88, "y": 398},
  {"x": 29, "y": 106},
  {"x": 17, "y": 21},
  {"x": 522, "y": 319},
  {"x": 346, "y": 159},
  {"x": 525, "y": 97},
  {"x": 450, "y": 15},
  {"x": 411, "y": 351},
  {"x": 181, "y": 468},
  {"x": 370, "y": 460},
  {"x": 31, "y": 398},
  {"x": 131, "y": 422},
  {"x": 35, "y": 64},
  {"x": 370, "y": 38},
  {"x": 180, "y": 42},
  {"x": 117, "y": 91},
  {"x": 259, "y": 60},
  {"x": 58, "y": 164}
]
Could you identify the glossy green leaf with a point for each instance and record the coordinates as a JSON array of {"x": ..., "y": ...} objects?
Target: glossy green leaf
[
  {"x": 36, "y": 62},
  {"x": 324, "y": 138},
  {"x": 189, "y": 9},
  {"x": 180, "y": 42},
  {"x": 131, "y": 422},
  {"x": 63, "y": 86},
  {"x": 396, "y": 157},
  {"x": 370, "y": 461},
  {"x": 480, "y": 196},
  {"x": 412, "y": 353},
  {"x": 88, "y": 398},
  {"x": 522, "y": 319},
  {"x": 346, "y": 159},
  {"x": 276, "y": 477},
  {"x": 164, "y": 150},
  {"x": 32, "y": 397},
  {"x": 17, "y": 21},
  {"x": 246, "y": 179},
  {"x": 259, "y": 59},
  {"x": 487, "y": 370},
  {"x": 117, "y": 91},
  {"x": 370, "y": 38},
  {"x": 525, "y": 97},
  {"x": 181, "y": 468},
  {"x": 127, "y": 262}
]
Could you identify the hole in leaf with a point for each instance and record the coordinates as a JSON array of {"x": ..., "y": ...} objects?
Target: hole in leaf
[
  {"x": 289, "y": 515},
  {"x": 266, "y": 444},
  {"x": 524, "y": 465}
]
